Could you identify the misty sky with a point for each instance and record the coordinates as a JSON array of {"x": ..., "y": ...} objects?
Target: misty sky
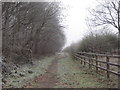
[{"x": 75, "y": 19}]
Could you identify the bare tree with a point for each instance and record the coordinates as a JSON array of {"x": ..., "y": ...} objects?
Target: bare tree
[
  {"x": 32, "y": 27},
  {"x": 106, "y": 13}
]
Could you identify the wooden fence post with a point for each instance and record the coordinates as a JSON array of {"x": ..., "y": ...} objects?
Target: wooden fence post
[
  {"x": 108, "y": 67},
  {"x": 89, "y": 62},
  {"x": 100, "y": 64},
  {"x": 81, "y": 59},
  {"x": 96, "y": 63},
  {"x": 84, "y": 61},
  {"x": 92, "y": 61}
]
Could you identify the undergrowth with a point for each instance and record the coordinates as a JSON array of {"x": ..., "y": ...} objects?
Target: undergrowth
[{"x": 39, "y": 68}]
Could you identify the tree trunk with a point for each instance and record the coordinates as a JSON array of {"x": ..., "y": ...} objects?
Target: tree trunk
[{"x": 119, "y": 42}]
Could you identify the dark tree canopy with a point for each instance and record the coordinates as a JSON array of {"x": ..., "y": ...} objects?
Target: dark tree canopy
[{"x": 31, "y": 28}]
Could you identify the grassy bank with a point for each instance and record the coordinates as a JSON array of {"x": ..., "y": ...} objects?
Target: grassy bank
[{"x": 26, "y": 74}]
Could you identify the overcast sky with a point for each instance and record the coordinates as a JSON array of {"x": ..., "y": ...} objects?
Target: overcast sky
[{"x": 75, "y": 19}]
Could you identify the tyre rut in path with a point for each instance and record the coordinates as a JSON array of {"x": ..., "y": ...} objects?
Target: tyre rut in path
[{"x": 49, "y": 79}]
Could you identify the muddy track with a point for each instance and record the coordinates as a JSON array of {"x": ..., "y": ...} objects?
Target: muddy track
[{"x": 49, "y": 79}]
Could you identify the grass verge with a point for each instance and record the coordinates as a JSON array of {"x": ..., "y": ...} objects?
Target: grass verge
[{"x": 73, "y": 75}]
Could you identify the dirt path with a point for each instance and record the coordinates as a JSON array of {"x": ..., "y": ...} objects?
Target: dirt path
[
  {"x": 64, "y": 72},
  {"x": 49, "y": 79}
]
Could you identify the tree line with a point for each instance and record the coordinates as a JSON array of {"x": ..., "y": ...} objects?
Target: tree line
[
  {"x": 96, "y": 43},
  {"x": 105, "y": 14},
  {"x": 30, "y": 30}
]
